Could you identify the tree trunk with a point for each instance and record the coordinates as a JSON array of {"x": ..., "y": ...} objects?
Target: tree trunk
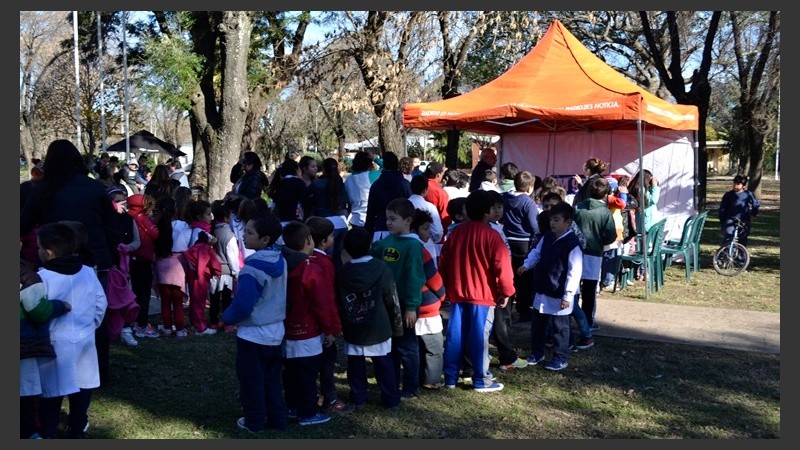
[
  {"x": 389, "y": 138},
  {"x": 223, "y": 151}
]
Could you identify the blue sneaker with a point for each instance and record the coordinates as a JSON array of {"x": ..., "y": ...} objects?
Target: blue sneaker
[
  {"x": 555, "y": 365},
  {"x": 534, "y": 360},
  {"x": 494, "y": 387},
  {"x": 314, "y": 420}
]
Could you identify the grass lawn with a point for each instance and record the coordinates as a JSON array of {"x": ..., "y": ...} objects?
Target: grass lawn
[{"x": 621, "y": 389}]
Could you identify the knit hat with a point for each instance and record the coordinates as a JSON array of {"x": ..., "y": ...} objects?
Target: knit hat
[{"x": 133, "y": 161}]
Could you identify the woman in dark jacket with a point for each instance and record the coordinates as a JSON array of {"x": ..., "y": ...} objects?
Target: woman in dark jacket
[
  {"x": 66, "y": 192},
  {"x": 253, "y": 181}
]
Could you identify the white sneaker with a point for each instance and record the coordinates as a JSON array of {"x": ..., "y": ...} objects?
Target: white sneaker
[
  {"x": 208, "y": 331},
  {"x": 127, "y": 337}
]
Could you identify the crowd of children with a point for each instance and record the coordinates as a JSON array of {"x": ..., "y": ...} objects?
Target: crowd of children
[{"x": 283, "y": 285}]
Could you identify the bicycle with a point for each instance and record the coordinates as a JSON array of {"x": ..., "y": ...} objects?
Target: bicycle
[{"x": 732, "y": 258}]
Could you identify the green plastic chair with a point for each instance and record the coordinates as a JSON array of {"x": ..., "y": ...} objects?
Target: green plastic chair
[
  {"x": 651, "y": 259},
  {"x": 683, "y": 247},
  {"x": 697, "y": 233}
]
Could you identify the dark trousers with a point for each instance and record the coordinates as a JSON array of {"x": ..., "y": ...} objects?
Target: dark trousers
[
  {"x": 258, "y": 368},
  {"x": 588, "y": 299},
  {"x": 218, "y": 302},
  {"x": 560, "y": 327},
  {"x": 300, "y": 384},
  {"x": 102, "y": 340},
  {"x": 502, "y": 322},
  {"x": 141, "y": 271},
  {"x": 327, "y": 382},
  {"x": 385, "y": 378},
  {"x": 50, "y": 414},
  {"x": 523, "y": 284},
  {"x": 28, "y": 415},
  {"x": 405, "y": 354}
]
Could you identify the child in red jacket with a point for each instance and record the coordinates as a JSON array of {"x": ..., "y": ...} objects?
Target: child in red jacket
[
  {"x": 312, "y": 320},
  {"x": 202, "y": 264}
]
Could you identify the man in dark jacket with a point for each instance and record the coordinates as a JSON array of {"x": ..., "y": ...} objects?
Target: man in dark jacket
[
  {"x": 488, "y": 160},
  {"x": 390, "y": 185}
]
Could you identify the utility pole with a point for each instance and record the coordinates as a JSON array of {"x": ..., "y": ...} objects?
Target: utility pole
[
  {"x": 77, "y": 80},
  {"x": 778, "y": 141},
  {"x": 102, "y": 89}
]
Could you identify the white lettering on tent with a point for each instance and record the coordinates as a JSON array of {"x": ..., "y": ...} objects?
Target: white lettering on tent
[
  {"x": 598, "y": 105},
  {"x": 671, "y": 115},
  {"x": 438, "y": 113}
]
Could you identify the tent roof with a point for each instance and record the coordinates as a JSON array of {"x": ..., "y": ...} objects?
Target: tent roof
[{"x": 559, "y": 85}]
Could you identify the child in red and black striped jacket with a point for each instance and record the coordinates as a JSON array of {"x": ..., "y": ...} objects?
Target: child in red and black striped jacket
[{"x": 429, "y": 327}]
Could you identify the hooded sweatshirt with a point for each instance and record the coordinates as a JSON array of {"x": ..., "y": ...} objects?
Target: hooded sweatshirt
[
  {"x": 368, "y": 302},
  {"x": 310, "y": 307}
]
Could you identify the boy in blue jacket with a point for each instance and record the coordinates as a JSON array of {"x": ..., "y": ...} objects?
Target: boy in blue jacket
[{"x": 258, "y": 309}]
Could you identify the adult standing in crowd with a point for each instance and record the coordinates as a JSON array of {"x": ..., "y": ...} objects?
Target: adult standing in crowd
[
  {"x": 456, "y": 183},
  {"x": 253, "y": 181},
  {"x": 390, "y": 185},
  {"x": 177, "y": 172},
  {"x": 308, "y": 169},
  {"x": 129, "y": 174},
  {"x": 487, "y": 161},
  {"x": 357, "y": 186},
  {"x": 144, "y": 172},
  {"x": 66, "y": 192},
  {"x": 406, "y": 168},
  {"x": 592, "y": 168},
  {"x": 329, "y": 200},
  {"x": 289, "y": 193},
  {"x": 161, "y": 184}
]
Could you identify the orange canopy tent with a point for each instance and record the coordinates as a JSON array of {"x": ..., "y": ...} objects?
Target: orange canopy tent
[
  {"x": 560, "y": 85},
  {"x": 561, "y": 105}
]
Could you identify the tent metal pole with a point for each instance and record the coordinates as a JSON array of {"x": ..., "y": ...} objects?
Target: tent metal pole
[
  {"x": 696, "y": 146},
  {"x": 643, "y": 231}
]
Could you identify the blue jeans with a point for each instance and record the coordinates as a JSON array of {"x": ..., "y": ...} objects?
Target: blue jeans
[
  {"x": 580, "y": 320},
  {"x": 609, "y": 267},
  {"x": 405, "y": 353}
]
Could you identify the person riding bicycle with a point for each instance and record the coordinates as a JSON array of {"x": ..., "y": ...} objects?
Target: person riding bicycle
[{"x": 738, "y": 203}]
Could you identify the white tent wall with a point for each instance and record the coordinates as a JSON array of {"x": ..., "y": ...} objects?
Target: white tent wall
[{"x": 668, "y": 154}]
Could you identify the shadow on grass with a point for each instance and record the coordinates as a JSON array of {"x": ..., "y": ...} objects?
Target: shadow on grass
[{"x": 621, "y": 389}]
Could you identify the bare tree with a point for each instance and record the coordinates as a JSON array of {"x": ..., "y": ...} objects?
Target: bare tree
[
  {"x": 385, "y": 47},
  {"x": 758, "y": 70},
  {"x": 664, "y": 43},
  {"x": 40, "y": 33}
]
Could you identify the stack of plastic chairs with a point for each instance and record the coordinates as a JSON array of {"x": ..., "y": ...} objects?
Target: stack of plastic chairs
[{"x": 651, "y": 258}]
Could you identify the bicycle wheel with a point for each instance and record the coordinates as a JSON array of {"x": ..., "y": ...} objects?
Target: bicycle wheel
[{"x": 731, "y": 260}]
